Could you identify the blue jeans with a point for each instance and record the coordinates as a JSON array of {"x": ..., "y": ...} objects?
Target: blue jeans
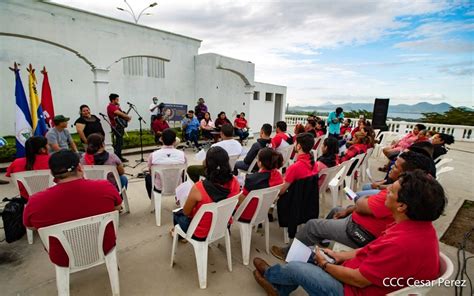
[
  {"x": 315, "y": 281},
  {"x": 124, "y": 181},
  {"x": 241, "y": 134},
  {"x": 193, "y": 136}
]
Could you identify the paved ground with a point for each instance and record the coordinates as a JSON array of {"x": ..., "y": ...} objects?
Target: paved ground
[{"x": 144, "y": 249}]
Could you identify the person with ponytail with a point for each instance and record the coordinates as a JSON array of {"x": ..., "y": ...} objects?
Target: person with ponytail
[
  {"x": 268, "y": 175},
  {"x": 219, "y": 184},
  {"x": 305, "y": 165},
  {"x": 36, "y": 158},
  {"x": 96, "y": 155}
]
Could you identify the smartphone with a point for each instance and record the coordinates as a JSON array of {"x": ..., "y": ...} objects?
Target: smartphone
[
  {"x": 328, "y": 258},
  {"x": 351, "y": 195}
]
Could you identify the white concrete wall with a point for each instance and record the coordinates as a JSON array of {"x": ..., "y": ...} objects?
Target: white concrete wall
[
  {"x": 262, "y": 111},
  {"x": 84, "y": 42}
]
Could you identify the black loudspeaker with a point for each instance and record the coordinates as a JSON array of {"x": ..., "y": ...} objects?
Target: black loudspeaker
[{"x": 379, "y": 117}]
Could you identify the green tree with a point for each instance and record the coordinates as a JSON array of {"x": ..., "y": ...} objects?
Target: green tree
[
  {"x": 357, "y": 113},
  {"x": 455, "y": 115}
]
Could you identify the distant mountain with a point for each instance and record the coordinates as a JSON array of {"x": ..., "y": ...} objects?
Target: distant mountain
[{"x": 422, "y": 107}]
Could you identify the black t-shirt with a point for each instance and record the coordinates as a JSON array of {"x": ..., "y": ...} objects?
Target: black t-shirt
[{"x": 92, "y": 125}]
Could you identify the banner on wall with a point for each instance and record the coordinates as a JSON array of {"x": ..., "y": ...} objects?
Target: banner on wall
[{"x": 174, "y": 112}]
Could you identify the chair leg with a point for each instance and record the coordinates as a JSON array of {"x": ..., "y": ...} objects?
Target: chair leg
[
  {"x": 228, "y": 249},
  {"x": 173, "y": 248},
  {"x": 267, "y": 235},
  {"x": 286, "y": 239},
  {"x": 125, "y": 200},
  {"x": 62, "y": 280},
  {"x": 334, "y": 194},
  {"x": 200, "y": 250},
  {"x": 157, "y": 198},
  {"x": 245, "y": 238},
  {"x": 29, "y": 236},
  {"x": 112, "y": 268}
]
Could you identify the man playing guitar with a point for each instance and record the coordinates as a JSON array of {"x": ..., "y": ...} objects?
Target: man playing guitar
[{"x": 119, "y": 121}]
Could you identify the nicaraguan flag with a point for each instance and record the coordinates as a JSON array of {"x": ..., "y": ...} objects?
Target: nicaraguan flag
[
  {"x": 38, "y": 124},
  {"x": 23, "y": 116}
]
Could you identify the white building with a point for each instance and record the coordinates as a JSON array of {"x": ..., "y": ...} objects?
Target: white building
[{"x": 88, "y": 56}]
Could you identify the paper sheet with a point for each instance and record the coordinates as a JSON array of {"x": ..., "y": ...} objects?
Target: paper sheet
[
  {"x": 298, "y": 252},
  {"x": 182, "y": 192}
]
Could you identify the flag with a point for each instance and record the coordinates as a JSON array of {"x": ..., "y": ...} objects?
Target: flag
[
  {"x": 37, "y": 118},
  {"x": 23, "y": 116},
  {"x": 47, "y": 100}
]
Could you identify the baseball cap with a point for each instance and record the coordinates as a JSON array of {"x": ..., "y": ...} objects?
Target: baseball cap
[
  {"x": 63, "y": 161},
  {"x": 60, "y": 118}
]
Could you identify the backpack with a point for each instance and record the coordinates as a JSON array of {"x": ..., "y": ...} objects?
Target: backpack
[{"x": 12, "y": 217}]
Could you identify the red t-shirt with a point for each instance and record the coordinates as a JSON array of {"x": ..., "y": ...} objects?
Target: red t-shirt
[
  {"x": 319, "y": 133},
  {"x": 276, "y": 140},
  {"x": 301, "y": 169},
  {"x": 204, "y": 225},
  {"x": 261, "y": 179},
  {"x": 408, "y": 249},
  {"x": 18, "y": 165},
  {"x": 71, "y": 201},
  {"x": 159, "y": 126},
  {"x": 240, "y": 123},
  {"x": 345, "y": 129},
  {"x": 111, "y": 108},
  {"x": 381, "y": 216}
]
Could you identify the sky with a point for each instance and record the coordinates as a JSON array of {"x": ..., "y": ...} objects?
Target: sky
[{"x": 335, "y": 51}]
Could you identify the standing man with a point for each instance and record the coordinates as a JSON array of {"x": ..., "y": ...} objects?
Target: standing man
[
  {"x": 200, "y": 109},
  {"x": 59, "y": 137},
  {"x": 118, "y": 121},
  {"x": 154, "y": 110},
  {"x": 334, "y": 122}
]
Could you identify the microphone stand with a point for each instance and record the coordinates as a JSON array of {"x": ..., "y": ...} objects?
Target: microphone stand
[{"x": 140, "y": 120}]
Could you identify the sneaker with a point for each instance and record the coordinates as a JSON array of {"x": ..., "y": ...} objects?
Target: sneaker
[
  {"x": 278, "y": 252},
  {"x": 123, "y": 159}
]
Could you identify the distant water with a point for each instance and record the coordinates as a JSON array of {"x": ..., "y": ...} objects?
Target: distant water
[{"x": 390, "y": 114}]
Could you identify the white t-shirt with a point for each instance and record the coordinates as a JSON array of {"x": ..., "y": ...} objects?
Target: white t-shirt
[
  {"x": 165, "y": 155},
  {"x": 232, "y": 147},
  {"x": 154, "y": 112}
]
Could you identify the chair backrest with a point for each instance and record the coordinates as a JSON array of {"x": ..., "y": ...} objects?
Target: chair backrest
[
  {"x": 34, "y": 181},
  {"x": 265, "y": 197},
  {"x": 82, "y": 239},
  {"x": 221, "y": 213},
  {"x": 327, "y": 175},
  {"x": 359, "y": 159},
  {"x": 171, "y": 175},
  {"x": 233, "y": 160},
  {"x": 340, "y": 176},
  {"x": 442, "y": 171},
  {"x": 386, "y": 138},
  {"x": 101, "y": 172},
  {"x": 286, "y": 152},
  {"x": 369, "y": 153},
  {"x": 318, "y": 142},
  {"x": 443, "y": 162},
  {"x": 252, "y": 164}
]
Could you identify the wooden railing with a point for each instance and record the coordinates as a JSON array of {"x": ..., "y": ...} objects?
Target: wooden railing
[{"x": 459, "y": 132}]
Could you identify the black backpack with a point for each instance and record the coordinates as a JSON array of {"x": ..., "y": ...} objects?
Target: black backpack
[{"x": 12, "y": 217}]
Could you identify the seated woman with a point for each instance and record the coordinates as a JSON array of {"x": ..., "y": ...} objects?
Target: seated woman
[
  {"x": 330, "y": 157},
  {"x": 36, "y": 158},
  {"x": 404, "y": 142},
  {"x": 439, "y": 141},
  {"x": 241, "y": 127},
  {"x": 96, "y": 155},
  {"x": 268, "y": 175},
  {"x": 359, "y": 146},
  {"x": 219, "y": 184},
  {"x": 221, "y": 120},
  {"x": 207, "y": 126},
  {"x": 320, "y": 128}
]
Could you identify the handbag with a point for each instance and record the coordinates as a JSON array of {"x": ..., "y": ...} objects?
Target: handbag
[
  {"x": 12, "y": 217},
  {"x": 358, "y": 234}
]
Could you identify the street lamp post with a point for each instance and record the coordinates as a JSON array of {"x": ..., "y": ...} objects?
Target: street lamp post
[{"x": 132, "y": 13}]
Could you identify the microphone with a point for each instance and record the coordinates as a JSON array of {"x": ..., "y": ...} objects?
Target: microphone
[
  {"x": 102, "y": 114},
  {"x": 130, "y": 104}
]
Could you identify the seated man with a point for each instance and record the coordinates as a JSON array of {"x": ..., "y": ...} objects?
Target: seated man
[
  {"x": 59, "y": 137},
  {"x": 360, "y": 224},
  {"x": 407, "y": 251},
  {"x": 72, "y": 198},
  {"x": 282, "y": 139},
  {"x": 231, "y": 146},
  {"x": 262, "y": 142},
  {"x": 168, "y": 154},
  {"x": 190, "y": 126}
]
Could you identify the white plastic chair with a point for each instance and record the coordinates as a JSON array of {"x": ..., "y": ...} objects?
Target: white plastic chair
[
  {"x": 233, "y": 160},
  {"x": 101, "y": 172},
  {"x": 385, "y": 139},
  {"x": 33, "y": 181},
  {"x": 350, "y": 180},
  {"x": 171, "y": 175},
  {"x": 318, "y": 146},
  {"x": 328, "y": 174},
  {"x": 82, "y": 240},
  {"x": 446, "y": 269},
  {"x": 251, "y": 167},
  {"x": 443, "y": 171},
  {"x": 265, "y": 198},
  {"x": 335, "y": 184},
  {"x": 221, "y": 213},
  {"x": 365, "y": 165},
  {"x": 286, "y": 153},
  {"x": 442, "y": 163}
]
